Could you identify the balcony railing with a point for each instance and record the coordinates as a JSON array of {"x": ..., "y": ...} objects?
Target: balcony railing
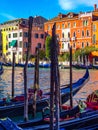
[
  {"x": 73, "y": 38},
  {"x": 65, "y": 39}
]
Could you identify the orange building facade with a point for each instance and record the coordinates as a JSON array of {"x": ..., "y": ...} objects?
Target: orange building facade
[{"x": 74, "y": 29}]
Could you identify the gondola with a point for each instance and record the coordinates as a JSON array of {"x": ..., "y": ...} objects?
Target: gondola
[
  {"x": 8, "y": 124},
  {"x": 79, "y": 66},
  {"x": 69, "y": 119},
  {"x": 15, "y": 108},
  {"x": 95, "y": 66},
  {"x": 1, "y": 69},
  {"x": 89, "y": 118}
]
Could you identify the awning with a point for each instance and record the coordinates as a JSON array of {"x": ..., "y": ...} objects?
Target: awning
[
  {"x": 13, "y": 43},
  {"x": 94, "y": 53}
]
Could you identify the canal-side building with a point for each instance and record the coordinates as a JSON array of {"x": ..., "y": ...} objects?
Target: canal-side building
[
  {"x": 73, "y": 29},
  {"x": 14, "y": 37}
]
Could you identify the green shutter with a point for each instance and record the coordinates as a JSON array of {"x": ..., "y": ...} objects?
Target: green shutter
[{"x": 13, "y": 43}]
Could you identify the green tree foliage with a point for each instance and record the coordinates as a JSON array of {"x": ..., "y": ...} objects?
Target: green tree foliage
[
  {"x": 47, "y": 46},
  {"x": 64, "y": 57},
  {"x": 84, "y": 51},
  {"x": 42, "y": 54}
]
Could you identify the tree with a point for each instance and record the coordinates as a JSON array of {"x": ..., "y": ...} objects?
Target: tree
[
  {"x": 64, "y": 57},
  {"x": 47, "y": 45},
  {"x": 42, "y": 54},
  {"x": 84, "y": 52}
]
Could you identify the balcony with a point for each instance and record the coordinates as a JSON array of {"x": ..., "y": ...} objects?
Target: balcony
[
  {"x": 64, "y": 50},
  {"x": 65, "y": 39},
  {"x": 73, "y": 38}
]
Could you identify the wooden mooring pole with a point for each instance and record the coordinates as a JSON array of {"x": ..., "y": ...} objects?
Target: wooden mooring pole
[
  {"x": 13, "y": 73},
  {"x": 71, "y": 92},
  {"x": 25, "y": 70}
]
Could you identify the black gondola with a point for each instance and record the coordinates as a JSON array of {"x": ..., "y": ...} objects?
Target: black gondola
[{"x": 15, "y": 108}]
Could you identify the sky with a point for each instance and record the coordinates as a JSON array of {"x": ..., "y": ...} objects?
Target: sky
[{"x": 13, "y": 9}]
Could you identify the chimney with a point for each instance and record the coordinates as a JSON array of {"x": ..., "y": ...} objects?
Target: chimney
[{"x": 95, "y": 7}]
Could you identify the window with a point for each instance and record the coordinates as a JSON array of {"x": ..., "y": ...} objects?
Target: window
[
  {"x": 68, "y": 34},
  {"x": 87, "y": 44},
  {"x": 74, "y": 24},
  {"x": 48, "y": 27},
  {"x": 94, "y": 28},
  {"x": 14, "y": 35},
  {"x": 68, "y": 25},
  {"x": 78, "y": 31},
  {"x": 41, "y": 36},
  {"x": 82, "y": 33},
  {"x": 20, "y": 43},
  {"x": 58, "y": 26},
  {"x": 63, "y": 25},
  {"x": 62, "y": 35},
  {"x": 25, "y": 44},
  {"x": 85, "y": 22},
  {"x": 6, "y": 47},
  {"x": 9, "y": 35},
  {"x": 74, "y": 34},
  {"x": 94, "y": 38},
  {"x": 74, "y": 45},
  {"x": 20, "y": 53},
  {"x": 24, "y": 22},
  {"x": 9, "y": 53},
  {"x": 20, "y": 34},
  {"x": 87, "y": 33},
  {"x": 82, "y": 44},
  {"x": 25, "y": 34},
  {"x": 36, "y": 35}
]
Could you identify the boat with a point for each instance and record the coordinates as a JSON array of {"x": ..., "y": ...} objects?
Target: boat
[
  {"x": 1, "y": 69},
  {"x": 16, "y": 106},
  {"x": 44, "y": 65},
  {"x": 23, "y": 64},
  {"x": 69, "y": 119},
  {"x": 95, "y": 66},
  {"x": 8, "y": 124},
  {"x": 92, "y": 100},
  {"x": 80, "y": 66}
]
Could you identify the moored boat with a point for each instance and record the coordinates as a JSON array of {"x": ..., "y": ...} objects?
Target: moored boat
[
  {"x": 79, "y": 66},
  {"x": 16, "y": 107},
  {"x": 69, "y": 119},
  {"x": 1, "y": 69}
]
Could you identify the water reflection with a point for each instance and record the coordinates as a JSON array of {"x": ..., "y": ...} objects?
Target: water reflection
[{"x": 6, "y": 81}]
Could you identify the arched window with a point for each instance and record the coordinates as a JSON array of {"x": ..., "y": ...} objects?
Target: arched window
[
  {"x": 74, "y": 34},
  {"x": 87, "y": 44},
  {"x": 82, "y": 44},
  {"x": 82, "y": 33},
  {"x": 74, "y": 45},
  {"x": 62, "y": 35},
  {"x": 87, "y": 33},
  {"x": 68, "y": 34}
]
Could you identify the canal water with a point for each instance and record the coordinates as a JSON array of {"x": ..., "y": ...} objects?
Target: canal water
[{"x": 44, "y": 81}]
